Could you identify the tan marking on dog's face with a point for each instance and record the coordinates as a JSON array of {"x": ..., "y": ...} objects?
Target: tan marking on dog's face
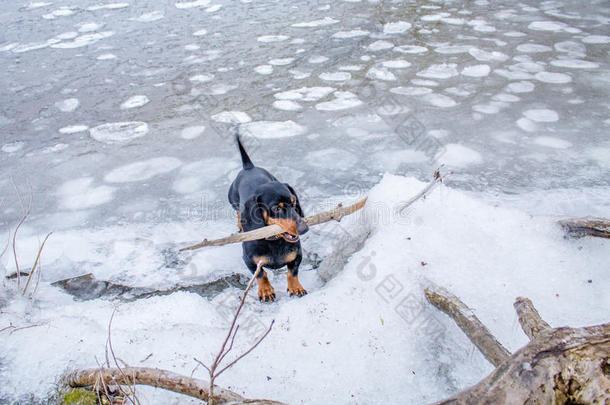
[
  {"x": 292, "y": 200},
  {"x": 288, "y": 225}
]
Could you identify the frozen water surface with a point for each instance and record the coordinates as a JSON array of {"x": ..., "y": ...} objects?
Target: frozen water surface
[{"x": 118, "y": 118}]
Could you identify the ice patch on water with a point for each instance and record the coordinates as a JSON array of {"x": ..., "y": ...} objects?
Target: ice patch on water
[
  {"x": 554, "y": 26},
  {"x": 343, "y": 100},
  {"x": 299, "y": 75},
  {"x": 459, "y": 156},
  {"x": 134, "y": 102},
  {"x": 201, "y": 78},
  {"x": 506, "y": 98},
  {"x": 452, "y": 49},
  {"x": 214, "y": 8},
  {"x": 119, "y": 132},
  {"x": 527, "y": 125},
  {"x": 316, "y": 23},
  {"x": 273, "y": 129},
  {"x": 411, "y": 49},
  {"x": 83, "y": 40},
  {"x": 106, "y": 56},
  {"x": 341, "y": 158},
  {"x": 272, "y": 38},
  {"x": 200, "y": 33},
  {"x": 191, "y": 47},
  {"x": 305, "y": 93},
  {"x": 264, "y": 69},
  {"x": 231, "y": 117},
  {"x": 335, "y": 76},
  {"x": 439, "y": 71},
  {"x": 317, "y": 59},
  {"x": 380, "y": 45},
  {"x": 89, "y": 27},
  {"x": 485, "y": 56},
  {"x": 110, "y": 6},
  {"x": 13, "y": 147},
  {"x": 68, "y": 105},
  {"x": 521, "y": 87},
  {"x": 191, "y": 4},
  {"x": 552, "y": 77},
  {"x": 411, "y": 91},
  {"x": 476, "y": 71},
  {"x": 571, "y": 48},
  {"x": 596, "y": 39},
  {"x": 541, "y": 115},
  {"x": 396, "y": 64},
  {"x": 192, "y": 132},
  {"x": 351, "y": 68},
  {"x": 380, "y": 74},
  {"x": 552, "y": 142},
  {"x": 439, "y": 100},
  {"x": 281, "y": 61},
  {"x": 79, "y": 194},
  {"x": 574, "y": 64},
  {"x": 515, "y": 34},
  {"x": 190, "y": 178},
  {"x": 73, "y": 129},
  {"x": 350, "y": 34},
  {"x": 142, "y": 170},
  {"x": 149, "y": 17},
  {"x": 38, "y": 4},
  {"x": 601, "y": 155},
  {"x": 533, "y": 48},
  {"x": 60, "y": 12},
  {"x": 397, "y": 27},
  {"x": 287, "y": 105},
  {"x": 492, "y": 107}
]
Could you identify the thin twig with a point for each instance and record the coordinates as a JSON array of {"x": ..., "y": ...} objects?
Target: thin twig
[
  {"x": 23, "y": 218},
  {"x": 438, "y": 178},
  {"x": 231, "y": 345},
  {"x": 8, "y": 243},
  {"x": 35, "y": 263},
  {"x": 133, "y": 400}
]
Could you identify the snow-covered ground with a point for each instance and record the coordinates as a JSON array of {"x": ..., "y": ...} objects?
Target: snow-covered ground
[{"x": 115, "y": 118}]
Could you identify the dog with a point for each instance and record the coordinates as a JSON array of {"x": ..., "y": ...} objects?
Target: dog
[{"x": 261, "y": 200}]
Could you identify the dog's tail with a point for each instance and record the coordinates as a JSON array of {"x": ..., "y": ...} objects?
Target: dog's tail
[{"x": 245, "y": 159}]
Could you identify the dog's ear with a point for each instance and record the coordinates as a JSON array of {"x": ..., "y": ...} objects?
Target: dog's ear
[
  {"x": 255, "y": 214},
  {"x": 297, "y": 204}
]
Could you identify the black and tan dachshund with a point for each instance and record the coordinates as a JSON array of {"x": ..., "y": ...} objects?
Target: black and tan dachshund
[{"x": 261, "y": 200}]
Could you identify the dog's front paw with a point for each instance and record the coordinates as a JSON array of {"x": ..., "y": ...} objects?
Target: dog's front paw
[
  {"x": 266, "y": 292},
  {"x": 294, "y": 286},
  {"x": 298, "y": 291}
]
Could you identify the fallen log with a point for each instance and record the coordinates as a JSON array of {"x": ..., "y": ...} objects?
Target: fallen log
[
  {"x": 579, "y": 227},
  {"x": 559, "y": 365}
]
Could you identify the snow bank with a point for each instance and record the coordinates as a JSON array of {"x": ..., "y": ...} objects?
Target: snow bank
[{"x": 340, "y": 343}]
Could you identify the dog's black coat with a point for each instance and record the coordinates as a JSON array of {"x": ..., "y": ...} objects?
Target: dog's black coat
[{"x": 257, "y": 195}]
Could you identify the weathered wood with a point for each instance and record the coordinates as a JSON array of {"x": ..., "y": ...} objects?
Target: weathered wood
[
  {"x": 579, "y": 227},
  {"x": 529, "y": 318},
  {"x": 480, "y": 336}
]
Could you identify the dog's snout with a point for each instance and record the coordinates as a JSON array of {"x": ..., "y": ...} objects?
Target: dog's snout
[{"x": 302, "y": 227}]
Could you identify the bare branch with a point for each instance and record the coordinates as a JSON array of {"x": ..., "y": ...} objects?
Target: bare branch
[
  {"x": 35, "y": 263},
  {"x": 438, "y": 178},
  {"x": 530, "y": 320},
  {"x": 579, "y": 227},
  {"x": 469, "y": 323},
  {"x": 133, "y": 400},
  {"x": 23, "y": 218}
]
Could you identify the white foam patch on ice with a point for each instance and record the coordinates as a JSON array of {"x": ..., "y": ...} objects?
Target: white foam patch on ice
[
  {"x": 60, "y": 12},
  {"x": 214, "y": 8},
  {"x": 305, "y": 93},
  {"x": 515, "y": 34},
  {"x": 351, "y": 68},
  {"x": 574, "y": 64},
  {"x": 459, "y": 156},
  {"x": 541, "y": 115},
  {"x": 192, "y": 4},
  {"x": 396, "y": 64},
  {"x": 452, "y": 49},
  {"x": 38, "y": 4},
  {"x": 68, "y": 105},
  {"x": 149, "y": 17},
  {"x": 108, "y": 6},
  {"x": 596, "y": 39},
  {"x": 200, "y": 32},
  {"x": 73, "y": 129},
  {"x": 554, "y": 26},
  {"x": 79, "y": 194},
  {"x": 13, "y": 147},
  {"x": 281, "y": 61},
  {"x": 134, "y": 102},
  {"x": 521, "y": 87},
  {"x": 287, "y": 105},
  {"x": 527, "y": 125},
  {"x": 273, "y": 129},
  {"x": 486, "y": 56},
  {"x": 232, "y": 117},
  {"x": 553, "y": 77},
  {"x": 552, "y": 142},
  {"x": 411, "y": 91},
  {"x": 83, "y": 40},
  {"x": 316, "y": 23},
  {"x": 343, "y": 100},
  {"x": 439, "y": 100},
  {"x": 142, "y": 170},
  {"x": 201, "y": 78},
  {"x": 335, "y": 76},
  {"x": 89, "y": 26},
  {"x": 350, "y": 34},
  {"x": 411, "y": 49},
  {"x": 533, "y": 48},
  {"x": 119, "y": 132},
  {"x": 377, "y": 73},
  {"x": 439, "y": 71},
  {"x": 264, "y": 69},
  {"x": 397, "y": 27},
  {"x": 272, "y": 38},
  {"x": 317, "y": 59},
  {"x": 424, "y": 82},
  {"x": 380, "y": 45},
  {"x": 476, "y": 71},
  {"x": 571, "y": 48},
  {"x": 192, "y": 132},
  {"x": 507, "y": 98},
  {"x": 106, "y": 56}
]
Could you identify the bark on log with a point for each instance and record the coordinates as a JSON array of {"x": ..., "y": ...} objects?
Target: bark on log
[
  {"x": 579, "y": 227},
  {"x": 529, "y": 318},
  {"x": 157, "y": 378},
  {"x": 482, "y": 338}
]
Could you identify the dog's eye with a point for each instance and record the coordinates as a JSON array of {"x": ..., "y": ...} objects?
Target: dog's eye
[{"x": 276, "y": 208}]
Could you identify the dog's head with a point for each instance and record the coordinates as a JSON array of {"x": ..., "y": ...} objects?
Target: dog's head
[{"x": 275, "y": 203}]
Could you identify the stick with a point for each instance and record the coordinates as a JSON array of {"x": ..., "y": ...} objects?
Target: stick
[
  {"x": 438, "y": 178},
  {"x": 530, "y": 320},
  {"x": 579, "y": 227},
  {"x": 336, "y": 213},
  {"x": 469, "y": 323},
  {"x": 35, "y": 263}
]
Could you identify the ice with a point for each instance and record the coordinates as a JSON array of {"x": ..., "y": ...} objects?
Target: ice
[
  {"x": 439, "y": 71},
  {"x": 397, "y": 27},
  {"x": 335, "y": 76},
  {"x": 272, "y": 38},
  {"x": 459, "y": 156},
  {"x": 411, "y": 49},
  {"x": 273, "y": 129},
  {"x": 67, "y": 35},
  {"x": 396, "y": 64},
  {"x": 350, "y": 34},
  {"x": 200, "y": 33},
  {"x": 317, "y": 59},
  {"x": 73, "y": 129},
  {"x": 150, "y": 17},
  {"x": 343, "y": 100},
  {"x": 13, "y": 147},
  {"x": 452, "y": 49},
  {"x": 109, "y": 6},
  {"x": 554, "y": 26},
  {"x": 574, "y": 64},
  {"x": 571, "y": 47},
  {"x": 264, "y": 69},
  {"x": 281, "y": 61},
  {"x": 552, "y": 142},
  {"x": 476, "y": 71},
  {"x": 305, "y": 93},
  {"x": 68, "y": 105},
  {"x": 142, "y": 170},
  {"x": 38, "y": 4},
  {"x": 83, "y": 40},
  {"x": 380, "y": 74},
  {"x": 192, "y": 132},
  {"x": 439, "y": 100},
  {"x": 214, "y": 8},
  {"x": 106, "y": 56},
  {"x": 521, "y": 87},
  {"x": 80, "y": 194},
  {"x": 232, "y": 117},
  {"x": 287, "y": 105},
  {"x": 411, "y": 91},
  {"x": 527, "y": 125},
  {"x": 533, "y": 48},
  {"x": 380, "y": 45},
  {"x": 596, "y": 39},
  {"x": 351, "y": 68},
  {"x": 485, "y": 56},
  {"x": 119, "y": 132},
  {"x": 316, "y": 23},
  {"x": 192, "y": 4},
  {"x": 541, "y": 115},
  {"x": 201, "y": 78},
  {"x": 60, "y": 12},
  {"x": 553, "y": 77},
  {"x": 89, "y": 26},
  {"x": 135, "y": 102}
]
